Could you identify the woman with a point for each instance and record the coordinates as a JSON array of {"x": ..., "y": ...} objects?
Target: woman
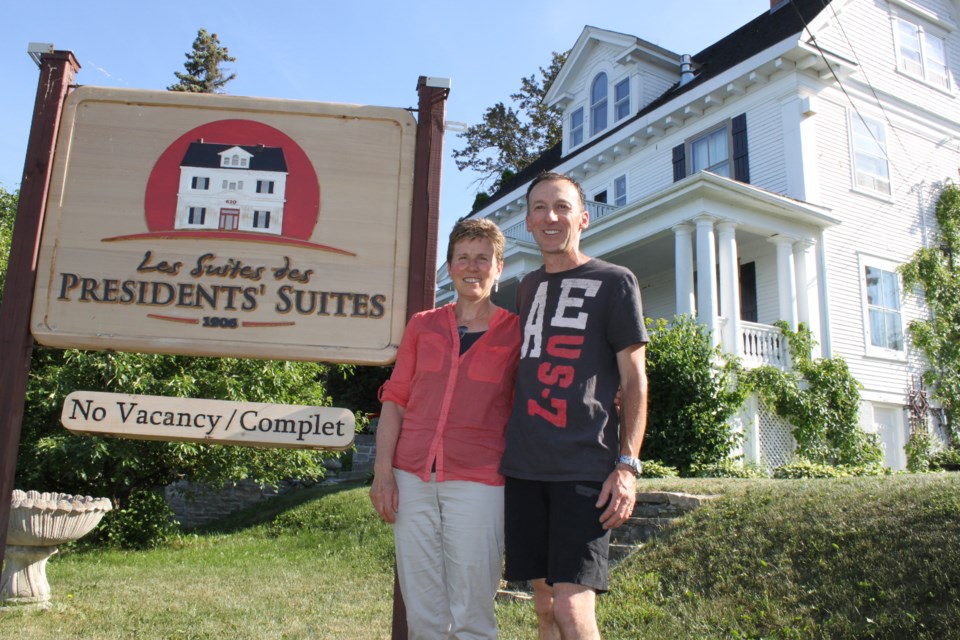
[{"x": 439, "y": 442}]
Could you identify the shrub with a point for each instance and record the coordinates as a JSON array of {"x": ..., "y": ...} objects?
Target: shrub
[
  {"x": 655, "y": 469},
  {"x": 801, "y": 467},
  {"x": 729, "y": 468},
  {"x": 146, "y": 521},
  {"x": 692, "y": 393},
  {"x": 946, "y": 459}
]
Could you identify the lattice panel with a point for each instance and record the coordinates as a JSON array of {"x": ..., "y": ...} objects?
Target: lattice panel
[{"x": 776, "y": 442}]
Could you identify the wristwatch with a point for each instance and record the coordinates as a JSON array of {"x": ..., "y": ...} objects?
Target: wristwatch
[{"x": 633, "y": 463}]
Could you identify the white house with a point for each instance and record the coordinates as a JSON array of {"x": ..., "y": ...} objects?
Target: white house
[
  {"x": 232, "y": 187},
  {"x": 784, "y": 172}
]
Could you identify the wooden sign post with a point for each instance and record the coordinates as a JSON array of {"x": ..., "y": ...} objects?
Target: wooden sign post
[{"x": 57, "y": 71}]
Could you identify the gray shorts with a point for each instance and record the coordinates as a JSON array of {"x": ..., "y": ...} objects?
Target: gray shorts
[{"x": 553, "y": 532}]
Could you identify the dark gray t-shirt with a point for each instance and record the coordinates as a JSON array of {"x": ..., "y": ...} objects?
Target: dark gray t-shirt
[{"x": 563, "y": 426}]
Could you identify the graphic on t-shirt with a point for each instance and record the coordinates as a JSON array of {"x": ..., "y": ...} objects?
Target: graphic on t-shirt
[{"x": 557, "y": 369}]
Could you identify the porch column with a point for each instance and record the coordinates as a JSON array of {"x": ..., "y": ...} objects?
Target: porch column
[
  {"x": 683, "y": 268},
  {"x": 729, "y": 286},
  {"x": 707, "y": 277},
  {"x": 803, "y": 280},
  {"x": 786, "y": 280}
]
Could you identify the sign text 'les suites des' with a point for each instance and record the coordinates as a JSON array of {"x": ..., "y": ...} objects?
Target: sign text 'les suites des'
[{"x": 227, "y": 226}]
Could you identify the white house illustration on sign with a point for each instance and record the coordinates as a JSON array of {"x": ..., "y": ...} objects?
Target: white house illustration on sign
[{"x": 232, "y": 188}]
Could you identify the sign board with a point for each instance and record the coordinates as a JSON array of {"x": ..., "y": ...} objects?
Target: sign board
[
  {"x": 217, "y": 225},
  {"x": 208, "y": 421}
]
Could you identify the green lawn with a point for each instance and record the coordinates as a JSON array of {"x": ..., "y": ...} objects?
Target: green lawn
[{"x": 849, "y": 558}]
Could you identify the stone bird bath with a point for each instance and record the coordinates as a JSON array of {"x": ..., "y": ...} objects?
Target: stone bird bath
[{"x": 38, "y": 523}]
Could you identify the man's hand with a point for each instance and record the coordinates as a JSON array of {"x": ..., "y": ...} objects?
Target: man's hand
[{"x": 619, "y": 493}]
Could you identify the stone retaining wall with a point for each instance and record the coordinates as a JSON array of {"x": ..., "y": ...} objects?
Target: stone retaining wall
[{"x": 194, "y": 505}]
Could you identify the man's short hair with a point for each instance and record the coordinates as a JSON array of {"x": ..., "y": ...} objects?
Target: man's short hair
[
  {"x": 552, "y": 176},
  {"x": 470, "y": 228}
]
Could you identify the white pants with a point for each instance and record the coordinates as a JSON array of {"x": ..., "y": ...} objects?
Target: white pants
[{"x": 449, "y": 542}]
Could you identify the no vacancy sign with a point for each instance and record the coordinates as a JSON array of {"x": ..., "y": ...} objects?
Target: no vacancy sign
[{"x": 227, "y": 226}]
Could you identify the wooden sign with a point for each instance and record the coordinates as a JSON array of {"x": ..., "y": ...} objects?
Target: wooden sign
[
  {"x": 216, "y": 225},
  {"x": 208, "y": 421}
]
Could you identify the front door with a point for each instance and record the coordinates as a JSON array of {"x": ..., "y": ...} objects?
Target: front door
[{"x": 230, "y": 219}]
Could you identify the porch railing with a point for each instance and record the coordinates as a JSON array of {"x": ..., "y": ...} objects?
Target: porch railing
[{"x": 763, "y": 345}]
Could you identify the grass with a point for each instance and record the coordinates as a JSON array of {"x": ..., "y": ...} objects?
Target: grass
[{"x": 846, "y": 558}]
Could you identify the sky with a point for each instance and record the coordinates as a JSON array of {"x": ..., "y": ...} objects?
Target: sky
[{"x": 359, "y": 52}]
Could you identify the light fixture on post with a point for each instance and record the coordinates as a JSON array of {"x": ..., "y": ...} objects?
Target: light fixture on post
[{"x": 36, "y": 49}]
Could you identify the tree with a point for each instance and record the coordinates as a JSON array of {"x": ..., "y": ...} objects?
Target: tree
[
  {"x": 510, "y": 138},
  {"x": 934, "y": 271},
  {"x": 203, "y": 72},
  {"x": 8, "y": 212}
]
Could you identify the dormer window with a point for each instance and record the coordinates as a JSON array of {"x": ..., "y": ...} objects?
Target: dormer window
[
  {"x": 235, "y": 157},
  {"x": 598, "y": 104},
  {"x": 576, "y": 127},
  {"x": 621, "y": 100}
]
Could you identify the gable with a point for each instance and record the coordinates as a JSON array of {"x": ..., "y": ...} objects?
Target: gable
[{"x": 618, "y": 52}]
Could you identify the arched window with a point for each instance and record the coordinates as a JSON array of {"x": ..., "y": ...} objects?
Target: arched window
[{"x": 598, "y": 104}]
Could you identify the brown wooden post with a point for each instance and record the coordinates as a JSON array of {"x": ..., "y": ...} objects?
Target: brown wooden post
[
  {"x": 57, "y": 70},
  {"x": 422, "y": 282}
]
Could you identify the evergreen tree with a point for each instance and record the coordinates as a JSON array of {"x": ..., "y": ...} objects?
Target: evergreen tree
[
  {"x": 510, "y": 138},
  {"x": 203, "y": 72}
]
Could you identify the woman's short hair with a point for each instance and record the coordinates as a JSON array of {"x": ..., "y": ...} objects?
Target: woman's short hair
[{"x": 470, "y": 228}]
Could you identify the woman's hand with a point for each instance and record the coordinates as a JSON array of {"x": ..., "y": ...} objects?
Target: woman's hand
[{"x": 385, "y": 496}]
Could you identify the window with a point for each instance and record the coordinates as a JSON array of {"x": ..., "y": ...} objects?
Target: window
[
  {"x": 711, "y": 153},
  {"x": 869, "y": 141},
  {"x": 723, "y": 150},
  {"x": 196, "y": 215},
  {"x": 600, "y": 196},
  {"x": 922, "y": 54},
  {"x": 200, "y": 183},
  {"x": 264, "y": 186},
  {"x": 598, "y": 104},
  {"x": 261, "y": 219},
  {"x": 620, "y": 191},
  {"x": 884, "y": 323},
  {"x": 576, "y": 127},
  {"x": 621, "y": 100}
]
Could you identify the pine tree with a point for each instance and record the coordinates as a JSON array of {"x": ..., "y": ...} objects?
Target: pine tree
[
  {"x": 203, "y": 72},
  {"x": 511, "y": 138}
]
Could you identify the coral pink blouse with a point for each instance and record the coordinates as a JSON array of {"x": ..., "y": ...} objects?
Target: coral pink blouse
[{"x": 455, "y": 407}]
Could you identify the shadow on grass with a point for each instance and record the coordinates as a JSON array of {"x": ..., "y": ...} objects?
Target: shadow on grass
[{"x": 266, "y": 511}]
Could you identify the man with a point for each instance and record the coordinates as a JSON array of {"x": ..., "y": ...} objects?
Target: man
[{"x": 571, "y": 463}]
